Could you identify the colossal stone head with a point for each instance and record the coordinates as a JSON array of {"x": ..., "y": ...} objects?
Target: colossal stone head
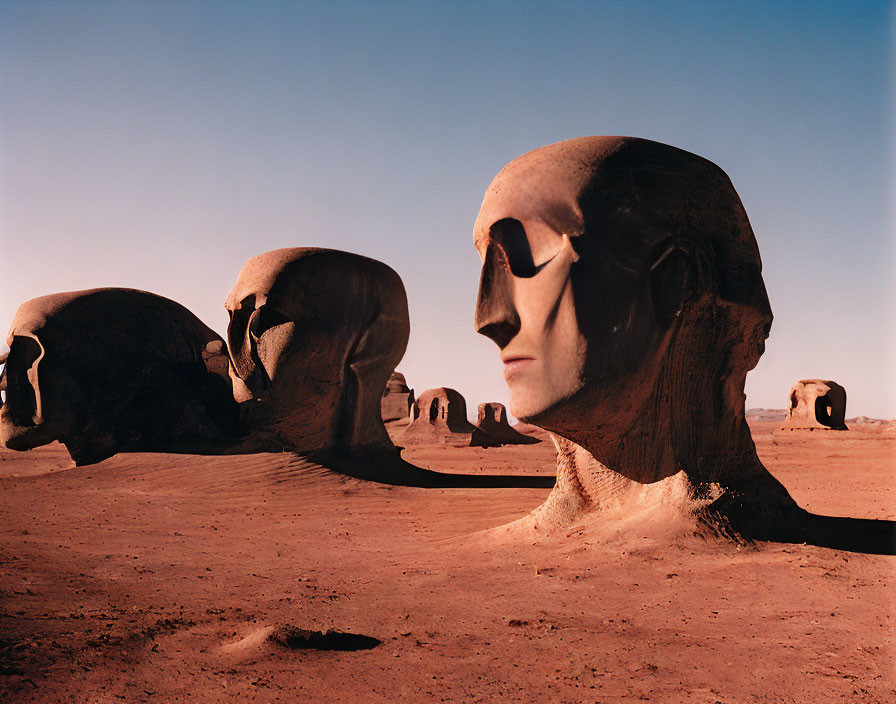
[
  {"x": 618, "y": 273},
  {"x": 816, "y": 404},
  {"x": 314, "y": 335},
  {"x": 110, "y": 370}
]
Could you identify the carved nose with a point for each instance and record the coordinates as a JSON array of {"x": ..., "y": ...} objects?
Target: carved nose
[{"x": 496, "y": 315}]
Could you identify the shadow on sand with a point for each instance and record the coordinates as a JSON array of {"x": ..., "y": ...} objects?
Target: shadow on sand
[
  {"x": 865, "y": 535},
  {"x": 388, "y": 468}
]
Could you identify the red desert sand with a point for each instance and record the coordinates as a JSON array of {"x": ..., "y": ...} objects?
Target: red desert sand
[{"x": 165, "y": 578}]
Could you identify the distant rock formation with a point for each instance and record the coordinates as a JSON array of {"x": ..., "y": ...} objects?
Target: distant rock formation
[
  {"x": 816, "y": 404},
  {"x": 871, "y": 422},
  {"x": 769, "y": 415},
  {"x": 440, "y": 416},
  {"x": 397, "y": 399},
  {"x": 493, "y": 430}
]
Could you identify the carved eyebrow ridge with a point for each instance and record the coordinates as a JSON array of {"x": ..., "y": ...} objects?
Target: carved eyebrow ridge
[
  {"x": 539, "y": 267},
  {"x": 527, "y": 273}
]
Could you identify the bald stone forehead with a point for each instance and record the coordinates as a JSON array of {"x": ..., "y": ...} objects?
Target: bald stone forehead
[
  {"x": 548, "y": 184},
  {"x": 107, "y": 302},
  {"x": 260, "y": 272},
  {"x": 306, "y": 271}
]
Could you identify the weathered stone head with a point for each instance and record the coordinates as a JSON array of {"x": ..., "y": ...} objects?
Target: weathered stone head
[
  {"x": 442, "y": 408},
  {"x": 113, "y": 370},
  {"x": 314, "y": 336},
  {"x": 438, "y": 416},
  {"x": 816, "y": 404},
  {"x": 603, "y": 256},
  {"x": 622, "y": 283}
]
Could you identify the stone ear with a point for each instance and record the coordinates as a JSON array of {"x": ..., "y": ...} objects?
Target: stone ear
[
  {"x": 369, "y": 366},
  {"x": 673, "y": 282}
]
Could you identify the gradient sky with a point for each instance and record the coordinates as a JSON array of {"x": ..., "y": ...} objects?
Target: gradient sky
[{"x": 158, "y": 145}]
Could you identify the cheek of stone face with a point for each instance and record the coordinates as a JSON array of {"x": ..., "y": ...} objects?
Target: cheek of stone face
[
  {"x": 276, "y": 346},
  {"x": 557, "y": 346},
  {"x": 302, "y": 363},
  {"x": 614, "y": 313}
]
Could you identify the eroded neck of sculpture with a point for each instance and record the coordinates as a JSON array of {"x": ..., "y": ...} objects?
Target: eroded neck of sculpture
[
  {"x": 306, "y": 427},
  {"x": 662, "y": 467}
]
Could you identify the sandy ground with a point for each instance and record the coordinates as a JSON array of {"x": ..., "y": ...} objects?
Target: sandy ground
[{"x": 158, "y": 578}]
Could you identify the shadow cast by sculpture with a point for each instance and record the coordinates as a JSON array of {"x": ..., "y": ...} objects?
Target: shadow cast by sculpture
[
  {"x": 390, "y": 468},
  {"x": 864, "y": 535}
]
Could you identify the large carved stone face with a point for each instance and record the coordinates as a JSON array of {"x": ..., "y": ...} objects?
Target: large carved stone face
[
  {"x": 314, "y": 335},
  {"x": 526, "y": 306},
  {"x": 590, "y": 250}
]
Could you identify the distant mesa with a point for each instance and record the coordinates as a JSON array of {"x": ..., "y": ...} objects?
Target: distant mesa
[
  {"x": 767, "y": 415},
  {"x": 493, "y": 430},
  {"x": 816, "y": 404},
  {"x": 440, "y": 416},
  {"x": 397, "y": 399},
  {"x": 872, "y": 422}
]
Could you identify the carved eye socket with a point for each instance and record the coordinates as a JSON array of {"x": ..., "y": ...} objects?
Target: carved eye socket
[
  {"x": 236, "y": 330},
  {"x": 517, "y": 247},
  {"x": 264, "y": 319}
]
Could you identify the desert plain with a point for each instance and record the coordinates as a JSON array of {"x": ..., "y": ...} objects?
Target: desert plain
[{"x": 183, "y": 578}]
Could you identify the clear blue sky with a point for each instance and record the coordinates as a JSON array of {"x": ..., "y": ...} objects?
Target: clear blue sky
[{"x": 158, "y": 145}]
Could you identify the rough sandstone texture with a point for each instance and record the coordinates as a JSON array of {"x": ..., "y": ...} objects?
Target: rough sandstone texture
[
  {"x": 816, "y": 404},
  {"x": 397, "y": 399},
  {"x": 314, "y": 336},
  {"x": 115, "y": 370},
  {"x": 493, "y": 430},
  {"x": 660, "y": 262}
]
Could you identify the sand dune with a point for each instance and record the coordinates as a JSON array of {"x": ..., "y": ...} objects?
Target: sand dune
[{"x": 164, "y": 577}]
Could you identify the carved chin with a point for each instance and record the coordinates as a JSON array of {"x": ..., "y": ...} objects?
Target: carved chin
[{"x": 540, "y": 406}]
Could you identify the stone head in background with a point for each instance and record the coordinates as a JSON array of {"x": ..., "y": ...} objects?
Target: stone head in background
[
  {"x": 622, "y": 283},
  {"x": 816, "y": 404},
  {"x": 441, "y": 408},
  {"x": 314, "y": 335},
  {"x": 397, "y": 399},
  {"x": 115, "y": 370},
  {"x": 492, "y": 428},
  {"x": 438, "y": 415}
]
